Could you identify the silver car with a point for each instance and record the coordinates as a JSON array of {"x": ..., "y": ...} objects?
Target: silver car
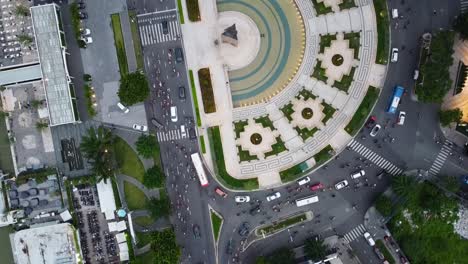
[
  {"x": 242, "y": 199},
  {"x": 274, "y": 196}
]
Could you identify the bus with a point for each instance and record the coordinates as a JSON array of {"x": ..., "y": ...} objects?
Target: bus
[
  {"x": 307, "y": 200},
  {"x": 199, "y": 168},
  {"x": 397, "y": 94}
]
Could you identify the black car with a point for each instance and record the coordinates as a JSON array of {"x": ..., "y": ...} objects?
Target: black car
[
  {"x": 82, "y": 15},
  {"x": 196, "y": 231},
  {"x": 192, "y": 133},
  {"x": 179, "y": 55},
  {"x": 165, "y": 27},
  {"x": 81, "y": 5},
  {"x": 244, "y": 229},
  {"x": 156, "y": 123},
  {"x": 182, "y": 93},
  {"x": 254, "y": 210},
  {"x": 229, "y": 248}
]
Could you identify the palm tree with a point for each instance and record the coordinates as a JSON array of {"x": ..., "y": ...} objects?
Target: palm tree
[
  {"x": 97, "y": 149},
  {"x": 403, "y": 185}
]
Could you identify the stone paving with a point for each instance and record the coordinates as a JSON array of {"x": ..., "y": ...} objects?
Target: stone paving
[
  {"x": 341, "y": 48},
  {"x": 201, "y": 54}
]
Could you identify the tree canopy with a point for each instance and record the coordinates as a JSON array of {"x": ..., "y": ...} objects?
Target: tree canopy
[
  {"x": 147, "y": 145},
  {"x": 154, "y": 177},
  {"x": 280, "y": 256},
  {"x": 449, "y": 116},
  {"x": 97, "y": 148},
  {"x": 133, "y": 88},
  {"x": 384, "y": 205},
  {"x": 315, "y": 248},
  {"x": 461, "y": 25},
  {"x": 159, "y": 207},
  {"x": 164, "y": 247}
]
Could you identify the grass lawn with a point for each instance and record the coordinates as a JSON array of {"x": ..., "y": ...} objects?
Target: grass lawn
[
  {"x": 306, "y": 133},
  {"x": 202, "y": 144},
  {"x": 346, "y": 81},
  {"x": 265, "y": 121},
  {"x": 382, "y": 31},
  {"x": 354, "y": 42},
  {"x": 195, "y": 99},
  {"x": 136, "y": 39},
  {"x": 305, "y": 94},
  {"x": 282, "y": 224},
  {"x": 127, "y": 160},
  {"x": 328, "y": 110},
  {"x": 244, "y": 155},
  {"x": 136, "y": 199},
  {"x": 320, "y": 8},
  {"x": 239, "y": 127},
  {"x": 220, "y": 167},
  {"x": 146, "y": 258},
  {"x": 181, "y": 12},
  {"x": 193, "y": 10},
  {"x": 347, "y": 4},
  {"x": 325, "y": 41},
  {"x": 119, "y": 44},
  {"x": 388, "y": 257},
  {"x": 118, "y": 202},
  {"x": 293, "y": 173},
  {"x": 363, "y": 111},
  {"x": 216, "y": 223},
  {"x": 144, "y": 221},
  {"x": 157, "y": 155},
  {"x": 323, "y": 155},
  {"x": 319, "y": 72},
  {"x": 206, "y": 87},
  {"x": 75, "y": 20},
  {"x": 6, "y": 161},
  {"x": 143, "y": 238},
  {"x": 277, "y": 148},
  {"x": 288, "y": 111}
]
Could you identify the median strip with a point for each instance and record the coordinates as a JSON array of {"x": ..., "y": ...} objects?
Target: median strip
[
  {"x": 283, "y": 224},
  {"x": 119, "y": 44}
]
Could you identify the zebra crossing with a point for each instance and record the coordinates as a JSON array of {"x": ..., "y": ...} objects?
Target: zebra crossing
[
  {"x": 356, "y": 232},
  {"x": 464, "y": 5},
  {"x": 441, "y": 157},
  {"x": 375, "y": 158},
  {"x": 152, "y": 33},
  {"x": 170, "y": 135}
]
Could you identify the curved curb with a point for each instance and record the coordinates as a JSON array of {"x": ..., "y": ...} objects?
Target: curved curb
[{"x": 212, "y": 210}]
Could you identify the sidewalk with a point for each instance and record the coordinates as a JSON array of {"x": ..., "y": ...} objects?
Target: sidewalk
[{"x": 456, "y": 137}]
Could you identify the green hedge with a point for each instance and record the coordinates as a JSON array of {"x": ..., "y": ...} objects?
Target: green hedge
[
  {"x": 345, "y": 81},
  {"x": 354, "y": 42},
  {"x": 282, "y": 224},
  {"x": 319, "y": 72},
  {"x": 277, "y": 148},
  {"x": 363, "y": 111},
  {"x": 244, "y": 155},
  {"x": 216, "y": 222},
  {"x": 202, "y": 144},
  {"x": 323, "y": 155},
  {"x": 321, "y": 8},
  {"x": 206, "y": 87},
  {"x": 294, "y": 172},
  {"x": 288, "y": 111},
  {"x": 136, "y": 39},
  {"x": 39, "y": 175},
  {"x": 328, "y": 110},
  {"x": 325, "y": 41},
  {"x": 383, "y": 31},
  {"x": 181, "y": 12},
  {"x": 218, "y": 159},
  {"x": 195, "y": 99},
  {"x": 119, "y": 44},
  {"x": 193, "y": 10}
]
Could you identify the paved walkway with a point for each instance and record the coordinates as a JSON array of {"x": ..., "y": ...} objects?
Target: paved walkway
[
  {"x": 128, "y": 40},
  {"x": 150, "y": 193}
]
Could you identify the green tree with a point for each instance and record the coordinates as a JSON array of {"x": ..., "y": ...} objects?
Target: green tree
[
  {"x": 146, "y": 146},
  {"x": 159, "y": 207},
  {"x": 281, "y": 256},
  {"x": 449, "y": 116},
  {"x": 315, "y": 248},
  {"x": 451, "y": 183},
  {"x": 25, "y": 39},
  {"x": 97, "y": 149},
  {"x": 154, "y": 177},
  {"x": 461, "y": 25},
  {"x": 133, "y": 88},
  {"x": 22, "y": 10},
  {"x": 384, "y": 205},
  {"x": 164, "y": 247},
  {"x": 41, "y": 125},
  {"x": 402, "y": 185}
]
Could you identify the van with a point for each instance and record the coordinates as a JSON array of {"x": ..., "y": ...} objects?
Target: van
[
  {"x": 123, "y": 107},
  {"x": 174, "y": 114},
  {"x": 183, "y": 132},
  {"x": 303, "y": 181},
  {"x": 220, "y": 192},
  {"x": 358, "y": 174}
]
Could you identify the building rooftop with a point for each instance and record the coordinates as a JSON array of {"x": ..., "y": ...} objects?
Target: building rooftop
[
  {"x": 27, "y": 73},
  {"x": 53, "y": 64}
]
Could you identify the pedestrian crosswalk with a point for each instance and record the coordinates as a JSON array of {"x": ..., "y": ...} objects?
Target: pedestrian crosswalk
[
  {"x": 355, "y": 233},
  {"x": 441, "y": 157},
  {"x": 464, "y": 5},
  {"x": 170, "y": 135},
  {"x": 375, "y": 158},
  {"x": 153, "y": 33}
]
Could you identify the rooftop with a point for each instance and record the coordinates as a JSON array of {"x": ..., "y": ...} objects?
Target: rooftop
[{"x": 53, "y": 64}]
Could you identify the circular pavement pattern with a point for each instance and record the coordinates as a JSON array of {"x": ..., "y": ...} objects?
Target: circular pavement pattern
[{"x": 281, "y": 50}]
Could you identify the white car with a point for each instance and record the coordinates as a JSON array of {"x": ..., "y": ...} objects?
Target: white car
[
  {"x": 274, "y": 196},
  {"x": 242, "y": 199},
  {"x": 401, "y": 118},
  {"x": 183, "y": 132},
  {"x": 394, "y": 57},
  {"x": 369, "y": 239},
  {"x": 123, "y": 107},
  {"x": 358, "y": 174},
  {"x": 375, "y": 130},
  {"x": 85, "y": 31},
  {"x": 303, "y": 181},
  {"x": 174, "y": 114},
  {"x": 87, "y": 40},
  {"x": 140, "y": 127},
  {"x": 341, "y": 184}
]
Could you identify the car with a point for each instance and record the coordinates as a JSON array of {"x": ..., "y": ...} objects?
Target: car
[
  {"x": 183, "y": 132},
  {"x": 196, "y": 231},
  {"x": 340, "y": 185},
  {"x": 401, "y": 118},
  {"x": 182, "y": 93},
  {"x": 394, "y": 13},
  {"x": 179, "y": 55},
  {"x": 369, "y": 239},
  {"x": 174, "y": 114},
  {"x": 123, "y": 107},
  {"x": 465, "y": 179},
  {"x": 192, "y": 133},
  {"x": 244, "y": 229},
  {"x": 379, "y": 254},
  {"x": 358, "y": 174},
  {"x": 394, "y": 57},
  {"x": 165, "y": 27},
  {"x": 85, "y": 31},
  {"x": 156, "y": 123},
  {"x": 303, "y": 181},
  {"x": 416, "y": 75},
  {"x": 220, "y": 192},
  {"x": 274, "y": 196},
  {"x": 229, "y": 247},
  {"x": 371, "y": 121},
  {"x": 140, "y": 127},
  {"x": 87, "y": 40},
  {"x": 254, "y": 210},
  {"x": 375, "y": 130},
  {"x": 317, "y": 186},
  {"x": 81, "y": 5},
  {"x": 83, "y": 15},
  {"x": 242, "y": 199}
]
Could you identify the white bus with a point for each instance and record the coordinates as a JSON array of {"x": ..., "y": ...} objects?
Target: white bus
[
  {"x": 307, "y": 200},
  {"x": 199, "y": 168}
]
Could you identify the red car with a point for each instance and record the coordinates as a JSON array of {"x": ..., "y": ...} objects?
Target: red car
[
  {"x": 317, "y": 186},
  {"x": 370, "y": 123}
]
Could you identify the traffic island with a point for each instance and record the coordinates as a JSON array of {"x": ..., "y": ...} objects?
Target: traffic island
[
  {"x": 281, "y": 225},
  {"x": 216, "y": 224}
]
